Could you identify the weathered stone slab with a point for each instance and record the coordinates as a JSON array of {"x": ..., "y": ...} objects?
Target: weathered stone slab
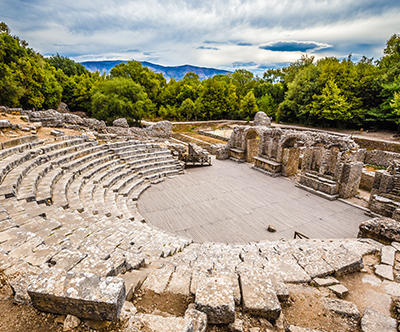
[
  {"x": 292, "y": 328},
  {"x": 343, "y": 261},
  {"x": 387, "y": 255},
  {"x": 157, "y": 280},
  {"x": 214, "y": 296},
  {"x": 234, "y": 279},
  {"x": 82, "y": 295},
  {"x": 287, "y": 268},
  {"x": 180, "y": 281},
  {"x": 14, "y": 237},
  {"x": 26, "y": 248},
  {"x": 344, "y": 308},
  {"x": 259, "y": 299},
  {"x": 95, "y": 265},
  {"x": 323, "y": 282},
  {"x": 311, "y": 261},
  {"x": 339, "y": 290},
  {"x": 392, "y": 288},
  {"x": 373, "y": 321},
  {"x": 19, "y": 286},
  {"x": 198, "y": 318},
  {"x": 160, "y": 324},
  {"x": 7, "y": 223},
  {"x": 66, "y": 259},
  {"x": 42, "y": 254},
  {"x": 384, "y": 271},
  {"x": 133, "y": 281}
]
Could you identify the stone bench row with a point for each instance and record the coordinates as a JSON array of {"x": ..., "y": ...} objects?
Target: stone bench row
[
  {"x": 222, "y": 276},
  {"x": 57, "y": 233}
]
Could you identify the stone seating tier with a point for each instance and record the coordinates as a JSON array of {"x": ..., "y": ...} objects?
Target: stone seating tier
[
  {"x": 237, "y": 154},
  {"x": 267, "y": 165}
]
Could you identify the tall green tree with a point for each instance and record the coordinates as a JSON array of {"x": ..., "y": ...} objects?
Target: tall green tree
[
  {"x": 120, "y": 97},
  {"x": 248, "y": 106},
  {"x": 331, "y": 105}
]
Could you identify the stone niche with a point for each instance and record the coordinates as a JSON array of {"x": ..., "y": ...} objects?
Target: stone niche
[
  {"x": 385, "y": 193},
  {"x": 331, "y": 166}
]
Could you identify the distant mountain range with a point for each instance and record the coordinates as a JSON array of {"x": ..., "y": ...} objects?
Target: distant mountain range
[{"x": 177, "y": 72}]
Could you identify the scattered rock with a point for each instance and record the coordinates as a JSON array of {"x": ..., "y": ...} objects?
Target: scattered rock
[
  {"x": 370, "y": 279},
  {"x": 384, "y": 271},
  {"x": 57, "y": 133},
  {"x": 71, "y": 322},
  {"x": 236, "y": 326},
  {"x": 271, "y": 228},
  {"x": 328, "y": 281},
  {"x": 344, "y": 308},
  {"x": 198, "y": 318},
  {"x": 374, "y": 321},
  {"x": 387, "y": 255},
  {"x": 121, "y": 122},
  {"x": 339, "y": 290}
]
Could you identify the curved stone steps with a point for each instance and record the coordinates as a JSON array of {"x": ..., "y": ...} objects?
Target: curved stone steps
[{"x": 27, "y": 189}]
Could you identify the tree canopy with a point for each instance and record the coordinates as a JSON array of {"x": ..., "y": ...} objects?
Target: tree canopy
[{"x": 329, "y": 92}]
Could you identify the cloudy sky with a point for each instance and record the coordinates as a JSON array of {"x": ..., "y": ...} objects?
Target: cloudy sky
[{"x": 228, "y": 34}]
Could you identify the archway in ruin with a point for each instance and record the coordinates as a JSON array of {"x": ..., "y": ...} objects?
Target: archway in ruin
[{"x": 252, "y": 144}]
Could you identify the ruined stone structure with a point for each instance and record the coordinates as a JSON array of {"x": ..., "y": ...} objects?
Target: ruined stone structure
[
  {"x": 385, "y": 193},
  {"x": 331, "y": 166}
]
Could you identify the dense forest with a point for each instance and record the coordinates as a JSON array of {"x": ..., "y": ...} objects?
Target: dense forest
[{"x": 329, "y": 92}]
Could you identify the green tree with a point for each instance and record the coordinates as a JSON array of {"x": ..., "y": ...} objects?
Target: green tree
[
  {"x": 331, "y": 105},
  {"x": 120, "y": 97},
  {"x": 248, "y": 106},
  {"x": 149, "y": 80},
  {"x": 187, "y": 108},
  {"x": 68, "y": 66}
]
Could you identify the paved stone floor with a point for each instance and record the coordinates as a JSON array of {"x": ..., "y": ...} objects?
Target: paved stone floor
[{"x": 233, "y": 203}]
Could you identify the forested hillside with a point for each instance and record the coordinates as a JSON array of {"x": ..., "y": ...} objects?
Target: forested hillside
[
  {"x": 329, "y": 92},
  {"x": 176, "y": 72}
]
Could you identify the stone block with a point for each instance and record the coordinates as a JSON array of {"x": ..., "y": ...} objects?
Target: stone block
[
  {"x": 292, "y": 328},
  {"x": 343, "y": 308},
  {"x": 373, "y": 321},
  {"x": 236, "y": 326},
  {"x": 180, "y": 281},
  {"x": 259, "y": 299},
  {"x": 387, "y": 255},
  {"x": 214, "y": 296},
  {"x": 198, "y": 318},
  {"x": 66, "y": 259},
  {"x": 159, "y": 324},
  {"x": 339, "y": 290},
  {"x": 384, "y": 271},
  {"x": 322, "y": 282},
  {"x": 157, "y": 280},
  {"x": 82, "y": 295}
]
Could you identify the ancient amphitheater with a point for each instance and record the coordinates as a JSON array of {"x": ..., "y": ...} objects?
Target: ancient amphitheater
[{"x": 91, "y": 223}]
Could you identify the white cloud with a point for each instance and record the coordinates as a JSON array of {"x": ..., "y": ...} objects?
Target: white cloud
[{"x": 204, "y": 33}]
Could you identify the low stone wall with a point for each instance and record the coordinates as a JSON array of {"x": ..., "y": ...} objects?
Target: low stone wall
[
  {"x": 380, "y": 157},
  {"x": 209, "y": 134},
  {"x": 17, "y": 141},
  {"x": 371, "y": 144}
]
